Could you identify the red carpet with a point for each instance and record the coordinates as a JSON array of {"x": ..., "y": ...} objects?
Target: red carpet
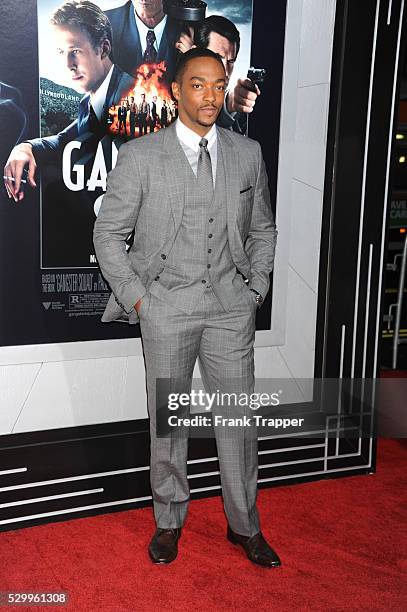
[{"x": 342, "y": 542}]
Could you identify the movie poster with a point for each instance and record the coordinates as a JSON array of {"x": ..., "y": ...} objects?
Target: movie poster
[{"x": 65, "y": 112}]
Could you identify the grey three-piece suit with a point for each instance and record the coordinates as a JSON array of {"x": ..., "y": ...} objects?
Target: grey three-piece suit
[{"x": 190, "y": 251}]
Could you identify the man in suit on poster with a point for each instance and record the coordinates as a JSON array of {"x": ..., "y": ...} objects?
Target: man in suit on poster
[
  {"x": 153, "y": 114},
  {"x": 83, "y": 41},
  {"x": 122, "y": 117},
  {"x": 143, "y": 114},
  {"x": 164, "y": 115},
  {"x": 197, "y": 196},
  {"x": 143, "y": 34},
  {"x": 133, "y": 117}
]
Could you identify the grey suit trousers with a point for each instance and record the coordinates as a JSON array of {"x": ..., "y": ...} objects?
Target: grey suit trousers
[{"x": 223, "y": 343}]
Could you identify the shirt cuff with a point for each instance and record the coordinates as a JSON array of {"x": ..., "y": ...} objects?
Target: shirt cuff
[{"x": 233, "y": 114}]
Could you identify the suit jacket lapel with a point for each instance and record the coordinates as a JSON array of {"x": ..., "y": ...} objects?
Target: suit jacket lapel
[
  {"x": 231, "y": 164},
  {"x": 111, "y": 95},
  {"x": 163, "y": 48},
  {"x": 83, "y": 115},
  {"x": 110, "y": 100},
  {"x": 133, "y": 37},
  {"x": 168, "y": 39},
  {"x": 174, "y": 178}
]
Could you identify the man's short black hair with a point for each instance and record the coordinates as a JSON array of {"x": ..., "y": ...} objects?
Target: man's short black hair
[
  {"x": 194, "y": 53},
  {"x": 220, "y": 25},
  {"x": 86, "y": 16}
]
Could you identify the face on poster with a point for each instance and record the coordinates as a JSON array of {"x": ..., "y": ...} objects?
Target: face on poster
[{"x": 101, "y": 82}]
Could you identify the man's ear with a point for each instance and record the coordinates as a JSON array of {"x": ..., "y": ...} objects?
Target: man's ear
[
  {"x": 105, "y": 49},
  {"x": 175, "y": 90}
]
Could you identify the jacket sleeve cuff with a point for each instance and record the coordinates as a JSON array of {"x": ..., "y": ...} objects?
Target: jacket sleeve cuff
[
  {"x": 259, "y": 284},
  {"x": 129, "y": 295}
]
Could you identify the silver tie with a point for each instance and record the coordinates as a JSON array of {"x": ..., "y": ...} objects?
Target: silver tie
[{"x": 204, "y": 172}]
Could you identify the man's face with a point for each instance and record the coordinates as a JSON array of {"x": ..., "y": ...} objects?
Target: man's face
[
  {"x": 226, "y": 49},
  {"x": 201, "y": 93},
  {"x": 148, "y": 7},
  {"x": 79, "y": 58}
]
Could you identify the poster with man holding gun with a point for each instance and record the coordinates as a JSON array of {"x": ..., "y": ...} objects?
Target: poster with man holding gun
[{"x": 105, "y": 69}]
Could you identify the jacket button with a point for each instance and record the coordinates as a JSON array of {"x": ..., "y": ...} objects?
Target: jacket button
[
  {"x": 211, "y": 220},
  {"x": 208, "y": 265},
  {"x": 203, "y": 282},
  {"x": 210, "y": 235},
  {"x": 163, "y": 256},
  {"x": 157, "y": 277}
]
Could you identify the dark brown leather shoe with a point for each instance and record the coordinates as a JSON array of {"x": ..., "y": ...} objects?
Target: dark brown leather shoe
[
  {"x": 163, "y": 547},
  {"x": 256, "y": 548}
]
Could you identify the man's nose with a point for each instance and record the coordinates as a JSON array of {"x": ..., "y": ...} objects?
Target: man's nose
[
  {"x": 210, "y": 93},
  {"x": 70, "y": 62}
]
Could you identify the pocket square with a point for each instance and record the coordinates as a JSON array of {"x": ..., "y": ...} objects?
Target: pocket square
[{"x": 247, "y": 189}]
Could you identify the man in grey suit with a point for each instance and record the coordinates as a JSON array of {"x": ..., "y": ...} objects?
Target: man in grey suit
[{"x": 198, "y": 198}]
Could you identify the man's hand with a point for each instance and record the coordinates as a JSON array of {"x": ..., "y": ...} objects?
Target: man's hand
[
  {"x": 20, "y": 157},
  {"x": 137, "y": 305},
  {"x": 186, "y": 41},
  {"x": 241, "y": 99}
]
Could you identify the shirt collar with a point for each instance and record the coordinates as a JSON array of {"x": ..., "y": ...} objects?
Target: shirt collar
[
  {"x": 98, "y": 98},
  {"x": 143, "y": 29},
  {"x": 191, "y": 139}
]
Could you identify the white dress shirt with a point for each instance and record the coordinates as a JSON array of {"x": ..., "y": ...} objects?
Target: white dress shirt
[
  {"x": 98, "y": 98},
  {"x": 190, "y": 140},
  {"x": 143, "y": 29}
]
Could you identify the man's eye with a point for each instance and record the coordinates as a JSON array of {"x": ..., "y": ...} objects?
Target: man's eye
[
  {"x": 196, "y": 86},
  {"x": 221, "y": 87},
  {"x": 75, "y": 51}
]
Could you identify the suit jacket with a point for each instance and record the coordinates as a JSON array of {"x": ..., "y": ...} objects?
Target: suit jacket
[
  {"x": 145, "y": 191},
  {"x": 122, "y": 112},
  {"x": 144, "y": 108},
  {"x": 236, "y": 124},
  {"x": 50, "y": 148},
  {"x": 126, "y": 40},
  {"x": 12, "y": 119}
]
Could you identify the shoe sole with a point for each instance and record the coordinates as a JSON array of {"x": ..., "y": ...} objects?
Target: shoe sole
[{"x": 161, "y": 562}]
